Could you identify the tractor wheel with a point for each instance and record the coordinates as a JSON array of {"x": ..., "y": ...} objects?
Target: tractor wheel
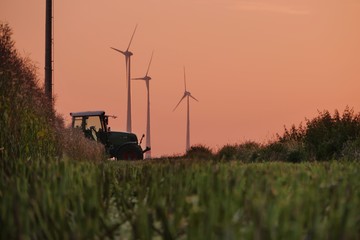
[{"x": 130, "y": 152}]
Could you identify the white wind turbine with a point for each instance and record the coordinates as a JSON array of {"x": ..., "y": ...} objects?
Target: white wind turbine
[
  {"x": 187, "y": 95},
  {"x": 147, "y": 79},
  {"x": 128, "y": 55}
]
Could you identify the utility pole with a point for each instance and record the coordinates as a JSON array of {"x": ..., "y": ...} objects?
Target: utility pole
[{"x": 48, "y": 51}]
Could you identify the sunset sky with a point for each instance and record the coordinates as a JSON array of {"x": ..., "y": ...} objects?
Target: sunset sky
[{"x": 254, "y": 65}]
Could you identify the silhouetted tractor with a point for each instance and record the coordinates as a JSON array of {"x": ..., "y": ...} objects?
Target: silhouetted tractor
[{"x": 120, "y": 145}]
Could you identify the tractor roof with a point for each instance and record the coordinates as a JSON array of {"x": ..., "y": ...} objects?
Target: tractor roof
[{"x": 87, "y": 113}]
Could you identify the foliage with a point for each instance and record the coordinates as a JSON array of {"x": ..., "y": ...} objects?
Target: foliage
[
  {"x": 351, "y": 150},
  {"x": 59, "y": 200},
  {"x": 207, "y": 200},
  {"x": 76, "y": 146},
  {"x": 289, "y": 151},
  {"x": 273, "y": 151},
  {"x": 29, "y": 127},
  {"x": 181, "y": 200},
  {"x": 293, "y": 134},
  {"x": 246, "y": 152},
  {"x": 199, "y": 152},
  {"x": 325, "y": 136},
  {"x": 227, "y": 152}
]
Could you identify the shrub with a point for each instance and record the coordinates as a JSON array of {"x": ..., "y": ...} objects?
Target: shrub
[
  {"x": 77, "y": 147},
  {"x": 295, "y": 151},
  {"x": 27, "y": 119},
  {"x": 200, "y": 152},
  {"x": 327, "y": 135},
  {"x": 351, "y": 150},
  {"x": 296, "y": 134},
  {"x": 227, "y": 152},
  {"x": 287, "y": 151},
  {"x": 323, "y": 138},
  {"x": 273, "y": 151},
  {"x": 247, "y": 152}
]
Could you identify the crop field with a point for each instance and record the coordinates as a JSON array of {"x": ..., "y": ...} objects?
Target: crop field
[{"x": 182, "y": 199}]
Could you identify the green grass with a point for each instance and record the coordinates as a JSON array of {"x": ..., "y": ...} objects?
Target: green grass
[
  {"x": 234, "y": 200},
  {"x": 182, "y": 199}
]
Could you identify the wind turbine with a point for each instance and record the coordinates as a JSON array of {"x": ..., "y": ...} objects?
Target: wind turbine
[
  {"x": 187, "y": 95},
  {"x": 128, "y": 55},
  {"x": 147, "y": 79}
]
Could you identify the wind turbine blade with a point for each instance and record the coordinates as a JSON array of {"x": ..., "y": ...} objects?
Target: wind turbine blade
[
  {"x": 138, "y": 78},
  {"x": 193, "y": 97},
  {"x": 184, "y": 79},
  {"x": 179, "y": 102},
  {"x": 117, "y": 50},
  {"x": 149, "y": 63},
  {"x": 132, "y": 37}
]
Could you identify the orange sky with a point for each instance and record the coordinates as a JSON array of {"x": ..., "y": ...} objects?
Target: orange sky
[{"x": 254, "y": 65}]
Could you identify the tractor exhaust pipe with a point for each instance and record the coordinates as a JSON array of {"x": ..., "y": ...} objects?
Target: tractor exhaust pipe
[{"x": 147, "y": 148}]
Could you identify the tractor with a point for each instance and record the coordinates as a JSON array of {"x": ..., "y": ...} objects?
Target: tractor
[{"x": 118, "y": 145}]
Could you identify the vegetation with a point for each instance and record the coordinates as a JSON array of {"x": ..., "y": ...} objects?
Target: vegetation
[
  {"x": 28, "y": 123},
  {"x": 199, "y": 152},
  {"x": 212, "y": 200},
  {"x": 55, "y": 184},
  {"x": 77, "y": 147},
  {"x": 326, "y": 137},
  {"x": 247, "y": 152},
  {"x": 42, "y": 195},
  {"x": 179, "y": 199}
]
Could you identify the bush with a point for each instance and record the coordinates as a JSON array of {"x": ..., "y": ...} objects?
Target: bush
[
  {"x": 199, "y": 152},
  {"x": 227, "y": 152},
  {"x": 327, "y": 135},
  {"x": 247, "y": 152},
  {"x": 77, "y": 147},
  {"x": 273, "y": 151},
  {"x": 351, "y": 150},
  {"x": 29, "y": 125}
]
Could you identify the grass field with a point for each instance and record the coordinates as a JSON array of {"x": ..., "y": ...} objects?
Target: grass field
[{"x": 182, "y": 199}]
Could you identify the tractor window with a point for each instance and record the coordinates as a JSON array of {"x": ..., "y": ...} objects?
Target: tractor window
[
  {"x": 92, "y": 124},
  {"x": 77, "y": 122},
  {"x": 93, "y": 121}
]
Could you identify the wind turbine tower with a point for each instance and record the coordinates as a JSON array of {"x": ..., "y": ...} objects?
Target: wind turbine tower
[
  {"x": 147, "y": 79},
  {"x": 128, "y": 55},
  {"x": 187, "y": 95}
]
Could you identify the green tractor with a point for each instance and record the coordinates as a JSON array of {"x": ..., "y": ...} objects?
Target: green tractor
[{"x": 120, "y": 145}]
